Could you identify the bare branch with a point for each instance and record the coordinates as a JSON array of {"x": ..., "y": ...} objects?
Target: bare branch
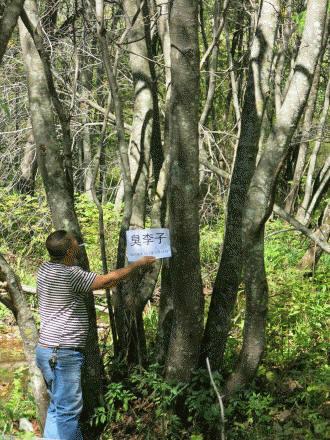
[{"x": 222, "y": 409}]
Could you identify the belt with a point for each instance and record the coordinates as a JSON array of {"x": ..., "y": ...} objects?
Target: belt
[{"x": 80, "y": 349}]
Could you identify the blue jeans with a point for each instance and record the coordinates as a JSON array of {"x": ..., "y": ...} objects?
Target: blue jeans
[{"x": 64, "y": 389}]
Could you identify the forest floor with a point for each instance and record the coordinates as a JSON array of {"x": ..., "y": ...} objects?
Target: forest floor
[{"x": 289, "y": 398}]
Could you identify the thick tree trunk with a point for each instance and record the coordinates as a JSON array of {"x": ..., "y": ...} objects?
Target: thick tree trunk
[
  {"x": 8, "y": 22},
  {"x": 260, "y": 196},
  {"x": 229, "y": 272},
  {"x": 58, "y": 191},
  {"x": 141, "y": 134},
  {"x": 183, "y": 192},
  {"x": 29, "y": 334}
]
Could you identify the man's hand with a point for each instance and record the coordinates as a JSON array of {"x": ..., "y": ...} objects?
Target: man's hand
[
  {"x": 145, "y": 261},
  {"x": 113, "y": 278}
]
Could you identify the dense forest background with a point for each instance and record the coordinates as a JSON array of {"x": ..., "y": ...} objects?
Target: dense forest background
[{"x": 206, "y": 117}]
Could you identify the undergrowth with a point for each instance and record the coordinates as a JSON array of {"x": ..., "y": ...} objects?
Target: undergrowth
[{"x": 289, "y": 398}]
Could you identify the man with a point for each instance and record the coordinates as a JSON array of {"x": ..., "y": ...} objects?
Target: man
[{"x": 61, "y": 287}]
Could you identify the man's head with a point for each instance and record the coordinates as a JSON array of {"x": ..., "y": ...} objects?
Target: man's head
[{"x": 62, "y": 247}]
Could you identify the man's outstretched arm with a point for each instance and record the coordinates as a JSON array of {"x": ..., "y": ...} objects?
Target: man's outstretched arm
[{"x": 112, "y": 278}]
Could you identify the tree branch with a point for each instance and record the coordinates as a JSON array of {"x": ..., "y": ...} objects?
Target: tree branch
[{"x": 300, "y": 227}]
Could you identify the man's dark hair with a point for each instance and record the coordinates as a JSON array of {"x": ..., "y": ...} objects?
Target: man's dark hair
[{"x": 58, "y": 243}]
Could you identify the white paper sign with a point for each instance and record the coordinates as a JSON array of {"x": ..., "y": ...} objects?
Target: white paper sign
[{"x": 154, "y": 242}]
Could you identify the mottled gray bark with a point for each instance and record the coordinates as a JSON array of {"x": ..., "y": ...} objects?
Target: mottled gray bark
[
  {"x": 143, "y": 113},
  {"x": 28, "y": 167},
  {"x": 11, "y": 12},
  {"x": 229, "y": 272},
  {"x": 29, "y": 334},
  {"x": 283, "y": 54},
  {"x": 260, "y": 197},
  {"x": 303, "y": 148},
  {"x": 58, "y": 191},
  {"x": 185, "y": 272},
  {"x": 31, "y": 21}
]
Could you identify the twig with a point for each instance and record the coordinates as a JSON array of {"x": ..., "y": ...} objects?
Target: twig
[{"x": 222, "y": 409}]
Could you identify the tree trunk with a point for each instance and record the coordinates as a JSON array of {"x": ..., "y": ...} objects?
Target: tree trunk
[
  {"x": 183, "y": 192},
  {"x": 219, "y": 20},
  {"x": 229, "y": 273},
  {"x": 303, "y": 148},
  {"x": 145, "y": 131},
  {"x": 8, "y": 22},
  {"x": 305, "y": 210},
  {"x": 28, "y": 167},
  {"x": 260, "y": 198},
  {"x": 58, "y": 192},
  {"x": 29, "y": 334},
  {"x": 119, "y": 302},
  {"x": 159, "y": 213},
  {"x": 141, "y": 134}
]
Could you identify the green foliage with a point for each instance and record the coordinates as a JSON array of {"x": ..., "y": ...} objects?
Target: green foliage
[
  {"x": 299, "y": 18},
  {"x": 25, "y": 222},
  {"x": 19, "y": 404},
  {"x": 117, "y": 400},
  {"x": 145, "y": 403},
  {"x": 210, "y": 246},
  {"x": 201, "y": 401}
]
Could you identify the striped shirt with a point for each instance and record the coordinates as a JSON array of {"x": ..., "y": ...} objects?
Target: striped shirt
[{"x": 61, "y": 293}]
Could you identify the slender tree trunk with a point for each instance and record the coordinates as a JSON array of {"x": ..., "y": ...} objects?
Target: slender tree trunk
[
  {"x": 229, "y": 273},
  {"x": 260, "y": 198},
  {"x": 219, "y": 20},
  {"x": 185, "y": 273},
  {"x": 29, "y": 334},
  {"x": 8, "y": 22},
  {"x": 304, "y": 211},
  {"x": 86, "y": 143},
  {"x": 303, "y": 148},
  {"x": 159, "y": 213},
  {"x": 145, "y": 133},
  {"x": 58, "y": 190},
  {"x": 119, "y": 302}
]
